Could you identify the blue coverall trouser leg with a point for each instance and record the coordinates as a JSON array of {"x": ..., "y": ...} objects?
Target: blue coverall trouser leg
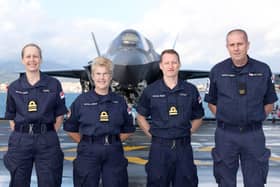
[
  {"x": 43, "y": 150},
  {"x": 171, "y": 165},
  {"x": 96, "y": 160},
  {"x": 249, "y": 148}
]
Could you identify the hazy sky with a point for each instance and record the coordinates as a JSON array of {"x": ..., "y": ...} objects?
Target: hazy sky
[{"x": 62, "y": 28}]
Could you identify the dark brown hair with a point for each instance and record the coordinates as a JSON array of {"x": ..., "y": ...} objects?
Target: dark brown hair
[{"x": 169, "y": 51}]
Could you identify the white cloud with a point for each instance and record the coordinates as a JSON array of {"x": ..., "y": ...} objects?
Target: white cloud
[
  {"x": 62, "y": 40},
  {"x": 201, "y": 27}
]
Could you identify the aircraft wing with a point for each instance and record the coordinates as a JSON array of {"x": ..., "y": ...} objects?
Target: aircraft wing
[
  {"x": 193, "y": 74},
  {"x": 78, "y": 74}
]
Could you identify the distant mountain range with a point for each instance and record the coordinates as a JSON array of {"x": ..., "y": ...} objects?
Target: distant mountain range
[{"x": 9, "y": 70}]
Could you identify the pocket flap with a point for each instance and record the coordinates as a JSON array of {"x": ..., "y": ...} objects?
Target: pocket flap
[{"x": 265, "y": 157}]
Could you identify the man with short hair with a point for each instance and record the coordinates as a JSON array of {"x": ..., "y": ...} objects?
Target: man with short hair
[
  {"x": 241, "y": 95},
  {"x": 176, "y": 110}
]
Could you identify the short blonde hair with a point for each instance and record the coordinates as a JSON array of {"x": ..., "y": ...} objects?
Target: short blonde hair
[{"x": 102, "y": 62}]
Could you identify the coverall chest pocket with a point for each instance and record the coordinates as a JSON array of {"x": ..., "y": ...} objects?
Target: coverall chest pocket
[
  {"x": 40, "y": 101},
  {"x": 185, "y": 106},
  {"x": 159, "y": 108},
  {"x": 47, "y": 98},
  {"x": 227, "y": 85},
  {"x": 256, "y": 84},
  {"x": 89, "y": 114},
  {"x": 116, "y": 115}
]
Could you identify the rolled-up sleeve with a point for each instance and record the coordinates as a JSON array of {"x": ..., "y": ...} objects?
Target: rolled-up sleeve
[
  {"x": 270, "y": 95},
  {"x": 143, "y": 107},
  {"x": 61, "y": 109},
  {"x": 72, "y": 124},
  {"x": 211, "y": 93},
  {"x": 128, "y": 126},
  {"x": 197, "y": 109},
  {"x": 10, "y": 113}
]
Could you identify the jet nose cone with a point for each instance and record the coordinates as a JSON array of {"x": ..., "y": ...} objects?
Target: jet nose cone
[{"x": 129, "y": 58}]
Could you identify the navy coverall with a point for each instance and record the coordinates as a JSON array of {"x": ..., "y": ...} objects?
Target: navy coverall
[
  {"x": 240, "y": 95},
  {"x": 171, "y": 111},
  {"x": 34, "y": 140},
  {"x": 100, "y": 120}
]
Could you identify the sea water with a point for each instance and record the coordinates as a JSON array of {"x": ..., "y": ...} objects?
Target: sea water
[{"x": 70, "y": 97}]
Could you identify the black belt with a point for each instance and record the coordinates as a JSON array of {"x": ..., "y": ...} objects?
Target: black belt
[
  {"x": 34, "y": 128},
  {"x": 171, "y": 142},
  {"x": 240, "y": 128},
  {"x": 106, "y": 139}
]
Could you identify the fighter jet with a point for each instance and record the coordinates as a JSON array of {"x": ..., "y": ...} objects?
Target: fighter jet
[{"x": 135, "y": 65}]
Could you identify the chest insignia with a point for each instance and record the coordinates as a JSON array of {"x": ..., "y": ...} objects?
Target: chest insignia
[
  {"x": 103, "y": 116},
  {"x": 32, "y": 106},
  {"x": 255, "y": 74},
  {"x": 242, "y": 88},
  {"x": 228, "y": 75},
  {"x": 22, "y": 92},
  {"x": 173, "y": 111},
  {"x": 45, "y": 90}
]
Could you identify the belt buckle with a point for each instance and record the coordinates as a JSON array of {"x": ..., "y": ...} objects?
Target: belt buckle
[
  {"x": 30, "y": 128},
  {"x": 106, "y": 138},
  {"x": 173, "y": 144}
]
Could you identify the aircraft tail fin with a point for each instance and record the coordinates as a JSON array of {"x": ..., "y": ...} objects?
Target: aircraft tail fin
[
  {"x": 95, "y": 43},
  {"x": 174, "y": 44}
]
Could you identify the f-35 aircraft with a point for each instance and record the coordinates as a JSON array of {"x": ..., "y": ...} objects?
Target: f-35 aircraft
[{"x": 136, "y": 64}]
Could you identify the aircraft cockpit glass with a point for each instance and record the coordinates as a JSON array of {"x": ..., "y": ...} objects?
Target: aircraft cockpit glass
[
  {"x": 130, "y": 39},
  {"x": 134, "y": 39}
]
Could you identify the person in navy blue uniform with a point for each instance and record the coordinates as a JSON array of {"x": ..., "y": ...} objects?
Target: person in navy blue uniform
[
  {"x": 176, "y": 111},
  {"x": 99, "y": 121},
  {"x": 35, "y": 109},
  {"x": 241, "y": 95}
]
